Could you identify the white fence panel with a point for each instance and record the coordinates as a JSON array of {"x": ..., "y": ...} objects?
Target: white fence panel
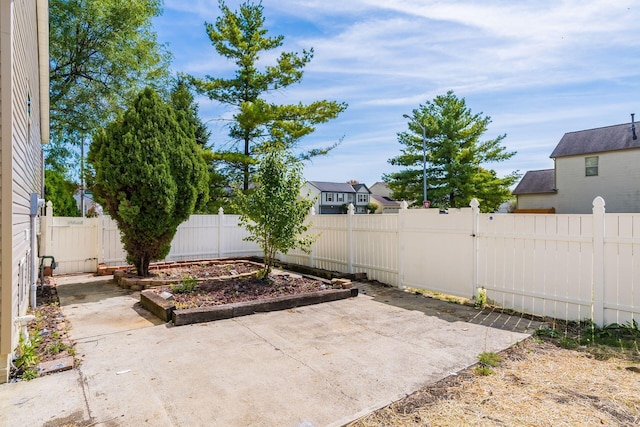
[
  {"x": 436, "y": 250},
  {"x": 375, "y": 247},
  {"x": 622, "y": 268},
  {"x": 113, "y": 252},
  {"x": 232, "y": 241},
  {"x": 73, "y": 242},
  {"x": 331, "y": 249},
  {"x": 537, "y": 263},
  {"x": 196, "y": 238}
]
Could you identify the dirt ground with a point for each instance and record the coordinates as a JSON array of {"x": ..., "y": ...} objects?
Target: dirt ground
[{"x": 536, "y": 384}]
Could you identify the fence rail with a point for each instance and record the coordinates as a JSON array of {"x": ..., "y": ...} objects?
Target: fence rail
[{"x": 564, "y": 266}]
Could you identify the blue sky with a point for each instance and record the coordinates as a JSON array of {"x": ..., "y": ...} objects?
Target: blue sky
[{"x": 539, "y": 68}]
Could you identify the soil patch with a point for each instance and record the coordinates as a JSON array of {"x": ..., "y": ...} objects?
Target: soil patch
[
  {"x": 241, "y": 289},
  {"x": 50, "y": 342}
]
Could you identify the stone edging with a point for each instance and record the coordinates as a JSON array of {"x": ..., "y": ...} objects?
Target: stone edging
[
  {"x": 166, "y": 310},
  {"x": 136, "y": 283}
]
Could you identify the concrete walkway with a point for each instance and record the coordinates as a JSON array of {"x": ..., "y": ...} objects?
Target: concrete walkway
[{"x": 321, "y": 365}]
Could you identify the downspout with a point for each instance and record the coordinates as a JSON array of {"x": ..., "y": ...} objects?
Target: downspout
[
  {"x": 35, "y": 204},
  {"x": 42, "y": 16}
]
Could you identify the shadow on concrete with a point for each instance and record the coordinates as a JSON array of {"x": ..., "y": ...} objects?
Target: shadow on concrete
[
  {"x": 89, "y": 292},
  {"x": 450, "y": 311}
]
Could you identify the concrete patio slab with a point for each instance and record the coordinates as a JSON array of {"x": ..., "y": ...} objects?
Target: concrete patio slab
[{"x": 321, "y": 365}]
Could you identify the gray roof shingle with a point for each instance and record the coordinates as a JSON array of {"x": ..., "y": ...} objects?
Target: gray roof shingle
[
  {"x": 610, "y": 138},
  {"x": 534, "y": 182},
  {"x": 335, "y": 187}
]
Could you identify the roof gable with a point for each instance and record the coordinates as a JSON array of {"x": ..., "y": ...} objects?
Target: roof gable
[
  {"x": 535, "y": 182},
  {"x": 610, "y": 138}
]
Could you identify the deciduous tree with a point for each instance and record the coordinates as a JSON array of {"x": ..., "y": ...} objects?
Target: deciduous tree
[
  {"x": 102, "y": 53},
  {"x": 456, "y": 157},
  {"x": 273, "y": 212},
  {"x": 149, "y": 174}
]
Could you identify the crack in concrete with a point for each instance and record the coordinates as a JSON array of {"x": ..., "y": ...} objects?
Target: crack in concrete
[
  {"x": 84, "y": 385},
  {"x": 290, "y": 356}
]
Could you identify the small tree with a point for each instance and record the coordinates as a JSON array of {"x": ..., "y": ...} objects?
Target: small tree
[
  {"x": 273, "y": 212},
  {"x": 149, "y": 173}
]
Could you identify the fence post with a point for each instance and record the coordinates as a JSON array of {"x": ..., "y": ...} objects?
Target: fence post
[
  {"x": 475, "y": 213},
  {"x": 597, "y": 286},
  {"x": 312, "y": 261},
  {"x": 350, "y": 213},
  {"x": 100, "y": 239},
  {"x": 403, "y": 208},
  {"x": 220, "y": 229},
  {"x": 45, "y": 229}
]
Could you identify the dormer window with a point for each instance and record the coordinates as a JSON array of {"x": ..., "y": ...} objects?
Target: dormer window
[{"x": 591, "y": 166}]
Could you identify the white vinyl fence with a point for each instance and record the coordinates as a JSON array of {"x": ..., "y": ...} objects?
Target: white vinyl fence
[{"x": 571, "y": 267}]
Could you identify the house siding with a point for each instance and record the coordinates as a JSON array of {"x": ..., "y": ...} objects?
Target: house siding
[
  {"x": 20, "y": 142},
  {"x": 617, "y": 182},
  {"x": 537, "y": 201}
]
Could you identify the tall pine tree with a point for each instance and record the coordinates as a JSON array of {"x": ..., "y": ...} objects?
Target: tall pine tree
[
  {"x": 456, "y": 158},
  {"x": 240, "y": 37}
]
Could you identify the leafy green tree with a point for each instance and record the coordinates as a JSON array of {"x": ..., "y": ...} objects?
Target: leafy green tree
[
  {"x": 102, "y": 53},
  {"x": 149, "y": 175},
  {"x": 59, "y": 190},
  {"x": 273, "y": 212},
  {"x": 240, "y": 37},
  {"x": 455, "y": 158}
]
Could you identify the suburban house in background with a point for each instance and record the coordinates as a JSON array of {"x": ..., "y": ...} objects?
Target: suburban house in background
[
  {"x": 24, "y": 127},
  {"x": 589, "y": 163},
  {"x": 332, "y": 197},
  {"x": 381, "y": 198}
]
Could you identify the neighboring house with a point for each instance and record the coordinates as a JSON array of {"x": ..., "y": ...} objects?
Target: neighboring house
[
  {"x": 24, "y": 127},
  {"x": 381, "y": 198},
  {"x": 536, "y": 192},
  {"x": 381, "y": 189},
  {"x": 385, "y": 204},
  {"x": 589, "y": 163},
  {"x": 333, "y": 197}
]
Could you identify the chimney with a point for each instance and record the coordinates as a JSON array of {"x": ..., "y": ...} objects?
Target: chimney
[{"x": 633, "y": 127}]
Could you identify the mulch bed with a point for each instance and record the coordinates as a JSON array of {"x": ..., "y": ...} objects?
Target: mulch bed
[{"x": 241, "y": 289}]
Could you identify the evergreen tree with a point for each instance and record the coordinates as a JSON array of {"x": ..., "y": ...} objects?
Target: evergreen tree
[
  {"x": 455, "y": 158},
  {"x": 241, "y": 37},
  {"x": 149, "y": 175}
]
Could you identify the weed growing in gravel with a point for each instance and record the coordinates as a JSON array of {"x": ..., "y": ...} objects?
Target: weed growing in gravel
[
  {"x": 486, "y": 361},
  {"x": 27, "y": 358}
]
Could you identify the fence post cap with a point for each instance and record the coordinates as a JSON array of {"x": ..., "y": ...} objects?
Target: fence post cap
[
  {"x": 404, "y": 205},
  {"x": 475, "y": 204},
  {"x": 220, "y": 211},
  {"x": 598, "y": 204}
]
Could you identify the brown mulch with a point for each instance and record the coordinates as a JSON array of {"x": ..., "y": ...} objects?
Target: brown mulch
[
  {"x": 537, "y": 384},
  {"x": 50, "y": 329},
  {"x": 206, "y": 269},
  {"x": 240, "y": 289}
]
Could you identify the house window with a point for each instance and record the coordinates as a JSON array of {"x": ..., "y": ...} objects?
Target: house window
[
  {"x": 362, "y": 198},
  {"x": 350, "y": 197},
  {"x": 591, "y": 166},
  {"x": 329, "y": 197},
  {"x": 340, "y": 197}
]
